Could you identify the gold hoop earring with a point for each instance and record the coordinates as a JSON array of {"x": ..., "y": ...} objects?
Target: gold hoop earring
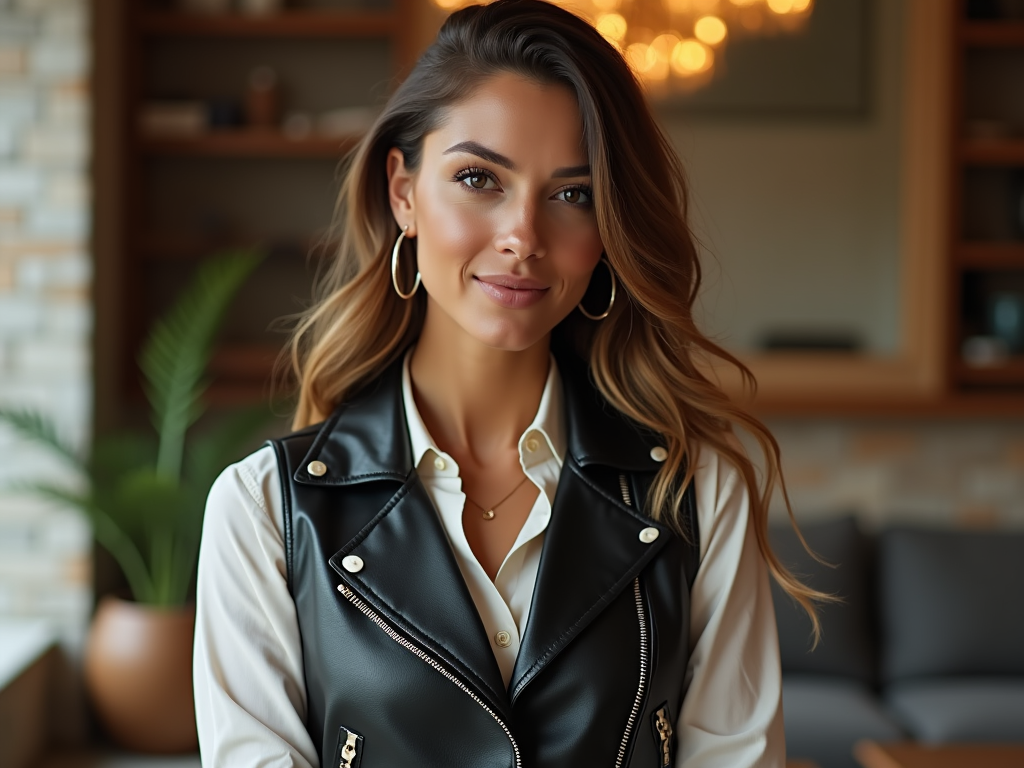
[
  {"x": 394, "y": 268},
  {"x": 611, "y": 301}
]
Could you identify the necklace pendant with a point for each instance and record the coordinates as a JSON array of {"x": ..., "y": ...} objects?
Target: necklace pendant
[{"x": 488, "y": 514}]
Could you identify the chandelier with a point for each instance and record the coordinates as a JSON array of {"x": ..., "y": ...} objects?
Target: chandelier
[{"x": 674, "y": 45}]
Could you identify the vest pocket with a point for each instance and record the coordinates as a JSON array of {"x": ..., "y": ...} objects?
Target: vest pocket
[
  {"x": 349, "y": 753},
  {"x": 664, "y": 735}
]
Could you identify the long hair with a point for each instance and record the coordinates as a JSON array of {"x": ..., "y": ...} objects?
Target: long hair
[{"x": 646, "y": 356}]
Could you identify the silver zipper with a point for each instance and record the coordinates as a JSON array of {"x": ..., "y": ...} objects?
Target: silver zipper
[
  {"x": 642, "y": 616},
  {"x": 390, "y": 632}
]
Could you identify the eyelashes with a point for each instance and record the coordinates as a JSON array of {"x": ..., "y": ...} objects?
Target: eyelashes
[{"x": 466, "y": 177}]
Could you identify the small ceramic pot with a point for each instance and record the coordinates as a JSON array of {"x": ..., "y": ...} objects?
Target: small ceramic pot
[{"x": 138, "y": 669}]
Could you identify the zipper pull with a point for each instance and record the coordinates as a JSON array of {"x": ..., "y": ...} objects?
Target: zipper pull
[
  {"x": 663, "y": 727},
  {"x": 348, "y": 752}
]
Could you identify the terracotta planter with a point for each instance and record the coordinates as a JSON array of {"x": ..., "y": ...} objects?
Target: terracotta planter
[{"x": 138, "y": 668}]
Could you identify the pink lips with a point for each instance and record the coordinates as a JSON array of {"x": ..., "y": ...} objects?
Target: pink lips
[{"x": 511, "y": 291}]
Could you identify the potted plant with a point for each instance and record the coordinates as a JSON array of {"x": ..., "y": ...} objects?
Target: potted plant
[{"x": 144, "y": 495}]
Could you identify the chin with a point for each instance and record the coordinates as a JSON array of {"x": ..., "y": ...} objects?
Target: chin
[{"x": 507, "y": 335}]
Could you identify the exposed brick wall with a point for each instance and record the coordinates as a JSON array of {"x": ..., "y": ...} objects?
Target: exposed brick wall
[
  {"x": 949, "y": 472},
  {"x": 45, "y": 312}
]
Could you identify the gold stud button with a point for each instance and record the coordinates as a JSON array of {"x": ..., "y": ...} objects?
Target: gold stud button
[
  {"x": 352, "y": 564},
  {"x": 531, "y": 444},
  {"x": 658, "y": 453},
  {"x": 439, "y": 464},
  {"x": 503, "y": 639},
  {"x": 647, "y": 535},
  {"x": 317, "y": 468}
]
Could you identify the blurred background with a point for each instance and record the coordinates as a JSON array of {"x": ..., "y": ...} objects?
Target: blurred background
[{"x": 857, "y": 185}]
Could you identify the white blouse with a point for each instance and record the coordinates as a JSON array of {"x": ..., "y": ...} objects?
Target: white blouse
[{"x": 248, "y": 672}]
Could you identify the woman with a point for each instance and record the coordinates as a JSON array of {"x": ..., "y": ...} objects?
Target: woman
[{"x": 513, "y": 527}]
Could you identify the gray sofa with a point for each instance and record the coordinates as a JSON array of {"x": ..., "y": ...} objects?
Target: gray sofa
[{"x": 927, "y": 645}]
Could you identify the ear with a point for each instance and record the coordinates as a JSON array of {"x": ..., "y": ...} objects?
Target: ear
[{"x": 401, "y": 191}]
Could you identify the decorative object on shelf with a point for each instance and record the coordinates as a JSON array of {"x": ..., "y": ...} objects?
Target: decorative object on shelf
[
  {"x": 673, "y": 44},
  {"x": 984, "y": 351},
  {"x": 263, "y": 98},
  {"x": 173, "y": 118},
  {"x": 208, "y": 7},
  {"x": 1006, "y": 319},
  {"x": 260, "y": 7},
  {"x": 144, "y": 496}
]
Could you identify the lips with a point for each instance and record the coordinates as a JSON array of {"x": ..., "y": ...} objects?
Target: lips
[{"x": 511, "y": 291}]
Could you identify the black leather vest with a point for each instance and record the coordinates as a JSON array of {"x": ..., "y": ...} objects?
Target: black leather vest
[{"x": 399, "y": 671}]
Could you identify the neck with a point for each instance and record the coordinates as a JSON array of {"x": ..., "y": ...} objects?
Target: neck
[{"x": 475, "y": 400}]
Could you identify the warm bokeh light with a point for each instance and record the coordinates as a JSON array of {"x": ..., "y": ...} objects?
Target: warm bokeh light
[
  {"x": 710, "y": 30},
  {"x": 641, "y": 57},
  {"x": 650, "y": 33},
  {"x": 612, "y": 26},
  {"x": 690, "y": 57}
]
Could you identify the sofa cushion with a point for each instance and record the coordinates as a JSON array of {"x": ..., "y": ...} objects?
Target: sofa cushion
[
  {"x": 846, "y": 648},
  {"x": 950, "y": 603},
  {"x": 964, "y": 709},
  {"x": 826, "y": 716}
]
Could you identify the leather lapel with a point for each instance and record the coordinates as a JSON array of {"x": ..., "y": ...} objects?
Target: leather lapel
[
  {"x": 409, "y": 576},
  {"x": 592, "y": 551}
]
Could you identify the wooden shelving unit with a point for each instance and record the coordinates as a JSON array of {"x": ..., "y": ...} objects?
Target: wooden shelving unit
[
  {"x": 983, "y": 171},
  {"x": 288, "y": 24},
  {"x": 248, "y": 143},
  {"x": 184, "y": 198}
]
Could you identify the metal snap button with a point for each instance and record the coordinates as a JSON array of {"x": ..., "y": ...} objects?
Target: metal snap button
[
  {"x": 317, "y": 468},
  {"x": 503, "y": 639},
  {"x": 352, "y": 564},
  {"x": 647, "y": 535},
  {"x": 658, "y": 453}
]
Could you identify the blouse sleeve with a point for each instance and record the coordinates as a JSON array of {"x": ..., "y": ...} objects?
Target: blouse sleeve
[
  {"x": 247, "y": 667},
  {"x": 732, "y": 707}
]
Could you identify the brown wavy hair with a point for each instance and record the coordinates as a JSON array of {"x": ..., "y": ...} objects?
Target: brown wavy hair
[{"x": 648, "y": 356}]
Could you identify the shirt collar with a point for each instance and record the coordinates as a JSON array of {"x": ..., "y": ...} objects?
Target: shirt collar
[{"x": 547, "y": 426}]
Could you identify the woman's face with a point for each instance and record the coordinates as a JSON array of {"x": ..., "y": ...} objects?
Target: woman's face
[{"x": 502, "y": 212}]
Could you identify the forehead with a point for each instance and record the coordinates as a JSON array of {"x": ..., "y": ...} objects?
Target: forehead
[{"x": 533, "y": 124}]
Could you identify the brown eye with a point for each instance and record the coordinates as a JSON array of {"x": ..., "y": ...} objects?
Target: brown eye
[
  {"x": 478, "y": 182},
  {"x": 572, "y": 195}
]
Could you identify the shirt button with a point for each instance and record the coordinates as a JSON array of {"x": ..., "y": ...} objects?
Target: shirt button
[
  {"x": 503, "y": 639},
  {"x": 439, "y": 464},
  {"x": 647, "y": 535},
  {"x": 531, "y": 445},
  {"x": 316, "y": 468},
  {"x": 352, "y": 564},
  {"x": 658, "y": 453}
]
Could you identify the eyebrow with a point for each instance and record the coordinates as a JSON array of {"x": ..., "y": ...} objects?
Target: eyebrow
[{"x": 475, "y": 148}]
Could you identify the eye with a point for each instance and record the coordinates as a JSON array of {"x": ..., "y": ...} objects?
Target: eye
[
  {"x": 476, "y": 179},
  {"x": 582, "y": 196}
]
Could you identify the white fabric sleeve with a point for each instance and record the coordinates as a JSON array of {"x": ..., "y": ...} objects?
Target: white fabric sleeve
[
  {"x": 247, "y": 665},
  {"x": 732, "y": 709}
]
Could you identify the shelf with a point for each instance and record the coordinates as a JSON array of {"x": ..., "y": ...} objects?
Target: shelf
[
  {"x": 994, "y": 34},
  {"x": 295, "y": 23},
  {"x": 248, "y": 143},
  {"x": 244, "y": 362},
  {"x": 993, "y": 151},
  {"x": 994, "y": 255},
  {"x": 1009, "y": 374},
  {"x": 176, "y": 246}
]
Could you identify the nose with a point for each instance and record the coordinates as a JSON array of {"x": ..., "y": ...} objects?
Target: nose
[{"x": 519, "y": 232}]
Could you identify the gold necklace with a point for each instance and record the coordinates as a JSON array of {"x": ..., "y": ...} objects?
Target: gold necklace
[{"x": 489, "y": 511}]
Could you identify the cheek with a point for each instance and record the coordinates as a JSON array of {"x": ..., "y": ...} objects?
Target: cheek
[{"x": 449, "y": 233}]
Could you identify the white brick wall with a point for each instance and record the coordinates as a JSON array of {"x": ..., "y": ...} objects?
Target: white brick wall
[{"x": 45, "y": 316}]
